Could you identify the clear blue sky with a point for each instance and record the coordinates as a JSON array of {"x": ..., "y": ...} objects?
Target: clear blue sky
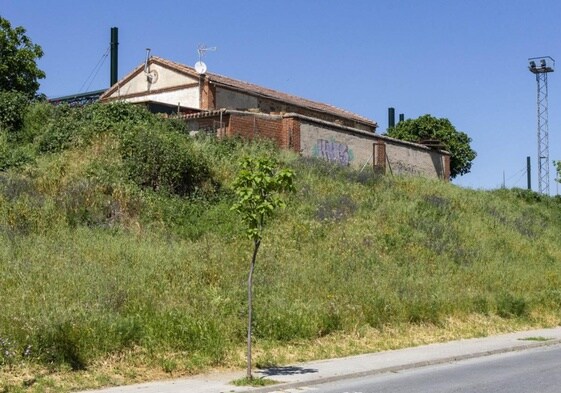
[{"x": 463, "y": 60}]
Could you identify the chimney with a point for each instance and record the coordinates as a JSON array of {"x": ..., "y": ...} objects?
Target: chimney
[
  {"x": 391, "y": 118},
  {"x": 114, "y": 55}
]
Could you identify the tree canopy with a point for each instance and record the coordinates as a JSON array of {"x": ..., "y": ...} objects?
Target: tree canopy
[
  {"x": 18, "y": 60},
  {"x": 429, "y": 127}
]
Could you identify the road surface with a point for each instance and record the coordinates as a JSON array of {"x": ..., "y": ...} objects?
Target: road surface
[{"x": 536, "y": 370}]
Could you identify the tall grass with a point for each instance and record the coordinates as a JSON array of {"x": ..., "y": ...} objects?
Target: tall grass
[{"x": 93, "y": 264}]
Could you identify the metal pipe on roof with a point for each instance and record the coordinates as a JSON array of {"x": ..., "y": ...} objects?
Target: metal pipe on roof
[
  {"x": 391, "y": 117},
  {"x": 114, "y": 55}
]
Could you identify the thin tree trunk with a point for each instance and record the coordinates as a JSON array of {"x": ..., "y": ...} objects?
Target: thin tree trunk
[{"x": 257, "y": 243}]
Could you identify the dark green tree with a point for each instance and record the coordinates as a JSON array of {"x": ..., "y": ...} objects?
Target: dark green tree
[
  {"x": 257, "y": 187},
  {"x": 428, "y": 127},
  {"x": 13, "y": 106},
  {"x": 18, "y": 60}
]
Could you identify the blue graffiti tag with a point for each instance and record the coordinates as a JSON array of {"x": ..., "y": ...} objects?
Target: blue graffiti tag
[{"x": 333, "y": 151}]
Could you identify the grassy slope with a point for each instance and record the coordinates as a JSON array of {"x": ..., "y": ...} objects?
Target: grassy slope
[{"x": 140, "y": 285}]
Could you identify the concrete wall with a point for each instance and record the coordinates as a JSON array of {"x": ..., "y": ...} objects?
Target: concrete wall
[
  {"x": 411, "y": 160},
  {"x": 356, "y": 148},
  {"x": 231, "y": 99}
]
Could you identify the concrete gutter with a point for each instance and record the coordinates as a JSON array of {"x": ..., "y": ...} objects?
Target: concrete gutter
[{"x": 311, "y": 373}]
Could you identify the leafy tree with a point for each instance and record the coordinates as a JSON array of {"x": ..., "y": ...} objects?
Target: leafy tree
[
  {"x": 429, "y": 127},
  {"x": 18, "y": 60},
  {"x": 13, "y": 106},
  {"x": 557, "y": 165},
  {"x": 257, "y": 187}
]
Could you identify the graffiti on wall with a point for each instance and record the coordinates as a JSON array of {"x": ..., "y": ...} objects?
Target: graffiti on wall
[
  {"x": 331, "y": 150},
  {"x": 402, "y": 168}
]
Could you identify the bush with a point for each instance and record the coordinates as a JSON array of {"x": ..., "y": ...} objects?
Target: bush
[
  {"x": 13, "y": 156},
  {"x": 509, "y": 306},
  {"x": 62, "y": 127},
  {"x": 104, "y": 117},
  {"x": 12, "y": 109},
  {"x": 73, "y": 126},
  {"x": 63, "y": 343},
  {"x": 163, "y": 160},
  {"x": 37, "y": 116}
]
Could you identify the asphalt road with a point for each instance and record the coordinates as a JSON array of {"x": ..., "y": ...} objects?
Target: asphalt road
[{"x": 530, "y": 371}]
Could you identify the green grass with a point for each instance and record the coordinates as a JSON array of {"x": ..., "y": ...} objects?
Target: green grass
[
  {"x": 537, "y": 338},
  {"x": 96, "y": 269},
  {"x": 245, "y": 381}
]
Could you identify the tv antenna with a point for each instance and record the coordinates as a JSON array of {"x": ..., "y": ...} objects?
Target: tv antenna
[
  {"x": 200, "y": 66},
  {"x": 151, "y": 76},
  {"x": 541, "y": 66}
]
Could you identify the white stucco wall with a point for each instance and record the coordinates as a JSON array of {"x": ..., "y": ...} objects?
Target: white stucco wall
[
  {"x": 186, "y": 97},
  {"x": 166, "y": 79}
]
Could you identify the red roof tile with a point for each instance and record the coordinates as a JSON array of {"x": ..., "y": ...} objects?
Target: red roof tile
[{"x": 256, "y": 90}]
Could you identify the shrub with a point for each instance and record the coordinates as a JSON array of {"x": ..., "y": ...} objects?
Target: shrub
[
  {"x": 105, "y": 117},
  {"x": 85, "y": 204},
  {"x": 13, "y": 156},
  {"x": 12, "y": 109},
  {"x": 60, "y": 129},
  {"x": 36, "y": 117},
  {"x": 163, "y": 160},
  {"x": 509, "y": 306},
  {"x": 67, "y": 126},
  {"x": 62, "y": 343}
]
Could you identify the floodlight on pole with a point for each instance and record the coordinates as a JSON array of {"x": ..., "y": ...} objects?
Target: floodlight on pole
[{"x": 547, "y": 65}]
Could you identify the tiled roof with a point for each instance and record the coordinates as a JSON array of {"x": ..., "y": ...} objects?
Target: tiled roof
[{"x": 264, "y": 92}]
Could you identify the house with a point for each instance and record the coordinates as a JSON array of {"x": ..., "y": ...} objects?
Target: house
[{"x": 228, "y": 107}]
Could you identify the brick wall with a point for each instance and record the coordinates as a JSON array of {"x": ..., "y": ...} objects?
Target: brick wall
[
  {"x": 316, "y": 138},
  {"x": 253, "y": 126}
]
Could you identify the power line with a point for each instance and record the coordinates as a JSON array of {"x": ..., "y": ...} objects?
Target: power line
[{"x": 95, "y": 71}]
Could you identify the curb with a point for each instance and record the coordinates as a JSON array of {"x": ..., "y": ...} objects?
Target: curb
[{"x": 408, "y": 366}]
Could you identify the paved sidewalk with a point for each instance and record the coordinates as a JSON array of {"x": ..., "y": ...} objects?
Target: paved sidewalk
[{"x": 299, "y": 375}]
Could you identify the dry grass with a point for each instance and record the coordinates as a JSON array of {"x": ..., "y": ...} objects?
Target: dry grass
[
  {"x": 136, "y": 366},
  {"x": 367, "y": 339}
]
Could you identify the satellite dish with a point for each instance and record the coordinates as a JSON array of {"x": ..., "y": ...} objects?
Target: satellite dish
[{"x": 200, "y": 67}]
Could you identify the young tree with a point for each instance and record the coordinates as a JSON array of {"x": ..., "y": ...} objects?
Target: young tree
[
  {"x": 18, "y": 60},
  {"x": 429, "y": 127},
  {"x": 257, "y": 188}
]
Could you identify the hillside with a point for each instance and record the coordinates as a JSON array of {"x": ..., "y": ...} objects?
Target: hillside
[{"x": 120, "y": 259}]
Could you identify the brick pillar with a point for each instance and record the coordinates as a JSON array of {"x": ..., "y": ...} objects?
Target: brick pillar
[
  {"x": 207, "y": 95},
  {"x": 290, "y": 133},
  {"x": 379, "y": 160},
  {"x": 447, "y": 171}
]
